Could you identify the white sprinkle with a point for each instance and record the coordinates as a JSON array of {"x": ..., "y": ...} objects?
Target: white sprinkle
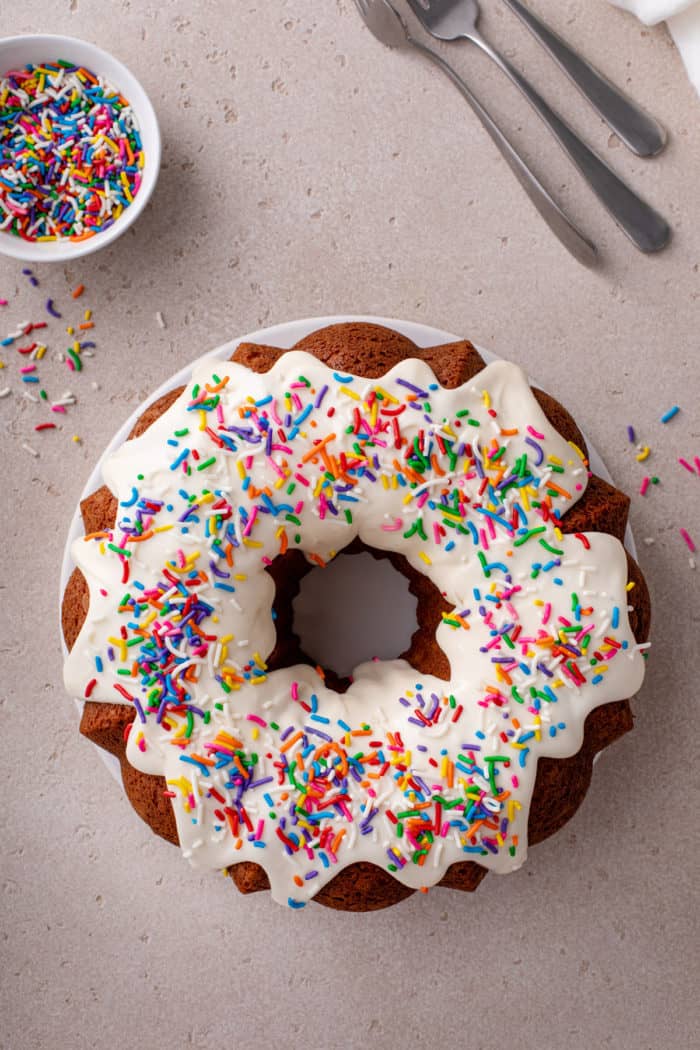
[
  {"x": 161, "y": 320},
  {"x": 691, "y": 562},
  {"x": 5, "y": 392},
  {"x": 649, "y": 541},
  {"x": 30, "y": 450},
  {"x": 30, "y": 397}
]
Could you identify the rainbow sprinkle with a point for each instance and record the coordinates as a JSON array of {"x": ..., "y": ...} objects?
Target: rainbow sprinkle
[{"x": 70, "y": 153}]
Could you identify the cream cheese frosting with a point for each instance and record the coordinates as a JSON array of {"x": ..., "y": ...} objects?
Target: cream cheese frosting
[{"x": 404, "y": 770}]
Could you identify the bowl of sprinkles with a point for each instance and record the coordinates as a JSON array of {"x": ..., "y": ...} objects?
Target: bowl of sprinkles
[{"x": 79, "y": 148}]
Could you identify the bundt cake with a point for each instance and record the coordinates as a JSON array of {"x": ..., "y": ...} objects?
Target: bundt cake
[{"x": 433, "y": 768}]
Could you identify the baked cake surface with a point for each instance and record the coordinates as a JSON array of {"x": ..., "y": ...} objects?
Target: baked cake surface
[{"x": 347, "y": 792}]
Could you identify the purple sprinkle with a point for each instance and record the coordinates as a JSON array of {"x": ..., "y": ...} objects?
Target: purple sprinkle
[
  {"x": 410, "y": 386},
  {"x": 538, "y": 449}
]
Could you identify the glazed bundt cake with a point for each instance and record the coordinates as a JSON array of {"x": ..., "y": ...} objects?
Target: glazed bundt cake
[{"x": 433, "y": 768}]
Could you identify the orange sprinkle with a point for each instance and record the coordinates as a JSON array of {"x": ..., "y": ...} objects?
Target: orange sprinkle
[
  {"x": 558, "y": 490},
  {"x": 337, "y": 840},
  {"x": 290, "y": 742},
  {"x": 314, "y": 451}
]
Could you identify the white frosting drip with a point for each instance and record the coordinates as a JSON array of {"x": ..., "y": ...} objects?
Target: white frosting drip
[{"x": 479, "y": 711}]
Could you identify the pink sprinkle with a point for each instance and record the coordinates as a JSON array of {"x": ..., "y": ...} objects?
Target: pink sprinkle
[
  {"x": 277, "y": 469},
  {"x": 398, "y": 524},
  {"x": 531, "y": 430},
  {"x": 295, "y": 691},
  {"x": 258, "y": 720},
  {"x": 436, "y": 532},
  {"x": 697, "y": 463},
  {"x": 58, "y": 408},
  {"x": 515, "y": 781},
  {"x": 689, "y": 543},
  {"x": 3, "y": 302},
  {"x": 547, "y": 613},
  {"x": 686, "y": 464},
  {"x": 250, "y": 522},
  {"x": 27, "y": 368},
  {"x": 70, "y": 364},
  {"x": 644, "y": 486}
]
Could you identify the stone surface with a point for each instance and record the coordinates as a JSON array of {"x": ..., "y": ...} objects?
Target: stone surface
[{"x": 308, "y": 172}]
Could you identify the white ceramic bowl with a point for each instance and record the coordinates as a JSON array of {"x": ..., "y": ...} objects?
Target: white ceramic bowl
[{"x": 18, "y": 51}]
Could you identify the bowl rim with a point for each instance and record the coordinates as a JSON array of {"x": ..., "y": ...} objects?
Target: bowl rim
[{"x": 61, "y": 252}]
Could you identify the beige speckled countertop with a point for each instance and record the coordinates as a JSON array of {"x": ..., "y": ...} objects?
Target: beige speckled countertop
[{"x": 306, "y": 172}]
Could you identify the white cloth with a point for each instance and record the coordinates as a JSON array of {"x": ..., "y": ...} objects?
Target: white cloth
[{"x": 683, "y": 17}]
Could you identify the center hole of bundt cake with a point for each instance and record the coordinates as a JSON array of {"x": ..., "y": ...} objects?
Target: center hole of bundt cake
[{"x": 354, "y": 609}]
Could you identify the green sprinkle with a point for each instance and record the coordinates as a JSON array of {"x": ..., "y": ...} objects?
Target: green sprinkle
[{"x": 119, "y": 550}]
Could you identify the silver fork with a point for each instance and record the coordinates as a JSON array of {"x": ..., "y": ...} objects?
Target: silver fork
[
  {"x": 649, "y": 231},
  {"x": 388, "y": 27}
]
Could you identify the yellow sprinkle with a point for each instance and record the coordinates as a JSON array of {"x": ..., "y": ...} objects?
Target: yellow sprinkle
[
  {"x": 41, "y": 350},
  {"x": 202, "y": 419},
  {"x": 125, "y": 184},
  {"x": 241, "y": 469},
  {"x": 578, "y": 451},
  {"x": 87, "y": 315},
  {"x": 112, "y": 145},
  {"x": 70, "y": 330},
  {"x": 644, "y": 454},
  {"x": 77, "y": 439},
  {"x": 163, "y": 528},
  {"x": 349, "y": 392},
  {"x": 424, "y": 557},
  {"x": 630, "y": 585},
  {"x": 486, "y": 398}
]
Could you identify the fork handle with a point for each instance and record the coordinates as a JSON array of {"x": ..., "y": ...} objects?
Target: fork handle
[
  {"x": 648, "y": 230},
  {"x": 569, "y": 235},
  {"x": 639, "y": 131}
]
